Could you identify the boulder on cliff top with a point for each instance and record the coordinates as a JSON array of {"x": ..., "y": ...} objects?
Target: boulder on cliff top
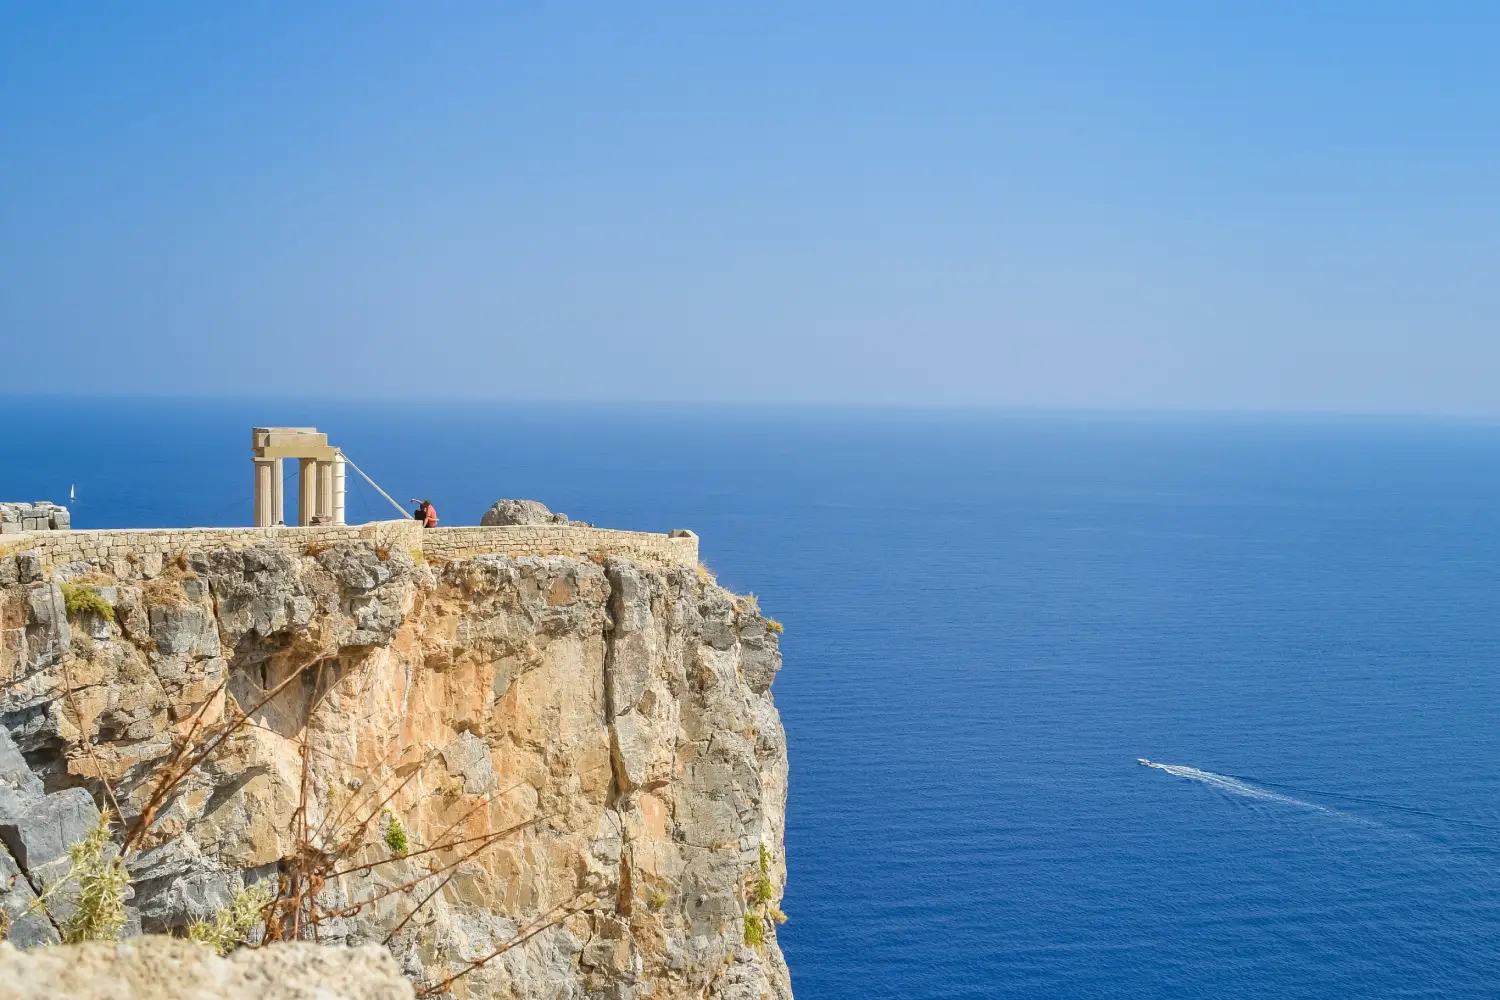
[
  {"x": 509, "y": 512},
  {"x": 166, "y": 968}
]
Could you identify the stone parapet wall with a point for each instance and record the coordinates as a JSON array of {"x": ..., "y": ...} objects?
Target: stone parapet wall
[
  {"x": 58, "y": 548},
  {"x": 150, "y": 545},
  {"x": 678, "y": 548}
]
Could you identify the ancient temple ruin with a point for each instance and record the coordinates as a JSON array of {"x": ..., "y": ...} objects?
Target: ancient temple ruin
[{"x": 320, "y": 478}]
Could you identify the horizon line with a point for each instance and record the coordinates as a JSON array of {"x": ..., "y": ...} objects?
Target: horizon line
[{"x": 920, "y": 406}]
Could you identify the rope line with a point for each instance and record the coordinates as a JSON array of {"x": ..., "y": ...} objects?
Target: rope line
[{"x": 350, "y": 462}]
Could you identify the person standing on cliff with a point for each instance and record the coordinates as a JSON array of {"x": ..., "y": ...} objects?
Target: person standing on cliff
[{"x": 426, "y": 513}]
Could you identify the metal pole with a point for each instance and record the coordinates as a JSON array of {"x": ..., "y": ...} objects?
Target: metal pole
[{"x": 404, "y": 512}]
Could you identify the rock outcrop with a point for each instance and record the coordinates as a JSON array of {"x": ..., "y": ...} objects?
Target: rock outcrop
[
  {"x": 504, "y": 512},
  {"x": 436, "y": 758},
  {"x": 163, "y": 968}
]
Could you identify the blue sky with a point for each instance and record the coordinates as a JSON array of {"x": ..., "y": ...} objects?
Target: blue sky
[{"x": 1153, "y": 205}]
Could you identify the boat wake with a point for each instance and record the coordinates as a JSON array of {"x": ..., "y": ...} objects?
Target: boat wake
[
  {"x": 1243, "y": 789},
  {"x": 1383, "y": 804}
]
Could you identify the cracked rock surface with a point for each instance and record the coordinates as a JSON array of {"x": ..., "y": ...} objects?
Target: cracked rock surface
[{"x": 549, "y": 733}]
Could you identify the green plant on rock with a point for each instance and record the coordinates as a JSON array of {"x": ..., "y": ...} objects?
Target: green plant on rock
[
  {"x": 658, "y": 900},
  {"x": 764, "y": 891},
  {"x": 101, "y": 880},
  {"x": 395, "y": 835},
  {"x": 232, "y": 925},
  {"x": 78, "y": 599},
  {"x": 762, "y": 906},
  {"x": 772, "y": 625}
]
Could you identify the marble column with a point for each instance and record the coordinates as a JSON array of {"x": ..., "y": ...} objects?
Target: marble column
[
  {"x": 278, "y": 488},
  {"x": 338, "y": 489},
  {"x": 307, "y": 490},
  {"x": 263, "y": 492},
  {"x": 325, "y": 492}
]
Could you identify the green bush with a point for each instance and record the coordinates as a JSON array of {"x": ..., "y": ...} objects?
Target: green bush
[
  {"x": 764, "y": 892},
  {"x": 99, "y": 913},
  {"x": 79, "y": 599},
  {"x": 395, "y": 835},
  {"x": 775, "y": 626},
  {"x": 233, "y": 924},
  {"x": 763, "y": 908}
]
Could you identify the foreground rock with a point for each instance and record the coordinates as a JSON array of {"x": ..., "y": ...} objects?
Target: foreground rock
[
  {"x": 507, "y": 512},
  {"x": 164, "y": 968},
  {"x": 476, "y": 749}
]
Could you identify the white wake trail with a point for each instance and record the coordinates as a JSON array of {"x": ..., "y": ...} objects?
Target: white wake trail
[{"x": 1236, "y": 787}]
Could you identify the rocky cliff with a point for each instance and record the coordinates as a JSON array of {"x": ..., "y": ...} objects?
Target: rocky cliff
[{"x": 546, "y": 776}]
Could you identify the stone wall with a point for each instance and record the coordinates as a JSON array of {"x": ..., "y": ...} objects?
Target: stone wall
[
  {"x": 150, "y": 546},
  {"x": 680, "y": 548},
  {"x": 17, "y": 518}
]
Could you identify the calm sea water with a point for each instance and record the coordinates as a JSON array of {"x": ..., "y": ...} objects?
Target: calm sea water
[{"x": 989, "y": 618}]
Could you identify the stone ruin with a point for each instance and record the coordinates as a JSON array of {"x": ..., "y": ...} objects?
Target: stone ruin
[{"x": 40, "y": 516}]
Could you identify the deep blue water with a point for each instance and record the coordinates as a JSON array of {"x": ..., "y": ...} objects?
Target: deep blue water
[{"x": 989, "y": 618}]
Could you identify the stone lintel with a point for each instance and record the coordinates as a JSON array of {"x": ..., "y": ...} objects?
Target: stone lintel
[{"x": 323, "y": 453}]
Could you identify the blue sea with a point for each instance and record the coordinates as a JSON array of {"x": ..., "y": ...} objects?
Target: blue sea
[{"x": 989, "y": 618}]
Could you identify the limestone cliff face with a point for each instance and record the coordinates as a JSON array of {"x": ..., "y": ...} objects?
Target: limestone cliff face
[{"x": 590, "y": 749}]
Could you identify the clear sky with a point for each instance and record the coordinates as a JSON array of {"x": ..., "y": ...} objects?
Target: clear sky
[{"x": 1282, "y": 206}]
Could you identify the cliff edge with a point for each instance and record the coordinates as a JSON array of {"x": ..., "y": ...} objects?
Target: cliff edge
[{"x": 525, "y": 776}]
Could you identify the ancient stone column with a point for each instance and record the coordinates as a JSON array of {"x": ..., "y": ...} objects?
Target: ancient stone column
[
  {"x": 338, "y": 489},
  {"x": 278, "y": 488},
  {"x": 325, "y": 492},
  {"x": 307, "y": 490},
  {"x": 263, "y": 492}
]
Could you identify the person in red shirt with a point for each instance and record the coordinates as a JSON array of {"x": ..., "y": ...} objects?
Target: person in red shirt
[{"x": 426, "y": 513}]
